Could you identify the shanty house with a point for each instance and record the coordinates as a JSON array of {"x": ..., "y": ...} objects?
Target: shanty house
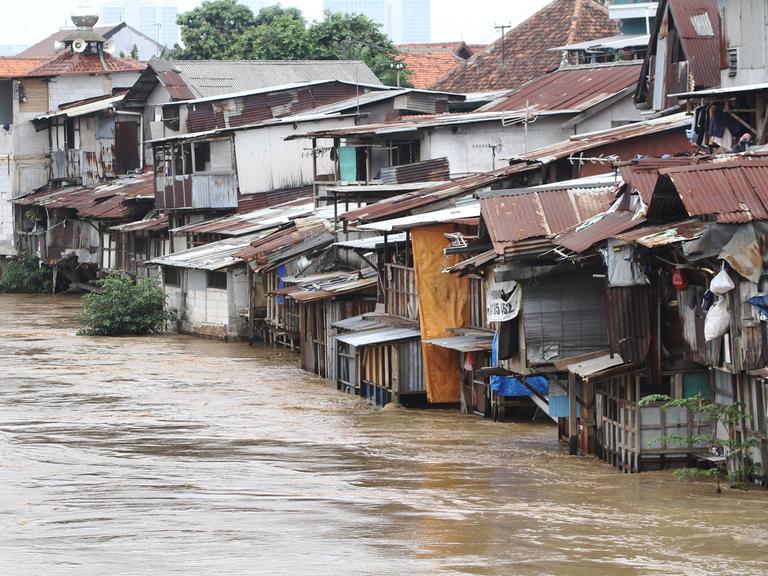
[
  {"x": 684, "y": 53},
  {"x": 81, "y": 69}
]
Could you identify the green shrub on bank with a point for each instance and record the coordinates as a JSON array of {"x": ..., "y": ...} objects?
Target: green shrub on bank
[
  {"x": 26, "y": 274},
  {"x": 124, "y": 307}
]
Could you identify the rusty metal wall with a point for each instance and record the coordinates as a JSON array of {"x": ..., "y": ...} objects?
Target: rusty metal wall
[
  {"x": 629, "y": 317},
  {"x": 255, "y": 108},
  {"x": 435, "y": 170}
]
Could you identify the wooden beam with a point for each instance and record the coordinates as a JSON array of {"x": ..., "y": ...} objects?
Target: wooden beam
[{"x": 573, "y": 429}]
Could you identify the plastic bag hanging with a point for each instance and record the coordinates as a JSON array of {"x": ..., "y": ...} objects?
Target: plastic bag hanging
[
  {"x": 718, "y": 320},
  {"x": 722, "y": 283}
]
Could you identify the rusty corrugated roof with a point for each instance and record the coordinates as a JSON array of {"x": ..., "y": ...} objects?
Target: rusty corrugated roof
[
  {"x": 155, "y": 224},
  {"x": 572, "y": 88},
  {"x": 698, "y": 26},
  {"x": 585, "y": 235},
  {"x": 300, "y": 237},
  {"x": 535, "y": 213},
  {"x": 117, "y": 200},
  {"x": 733, "y": 191},
  {"x": 662, "y": 234},
  {"x": 642, "y": 174}
]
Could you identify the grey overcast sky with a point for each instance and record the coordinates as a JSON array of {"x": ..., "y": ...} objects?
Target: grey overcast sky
[{"x": 28, "y": 21}]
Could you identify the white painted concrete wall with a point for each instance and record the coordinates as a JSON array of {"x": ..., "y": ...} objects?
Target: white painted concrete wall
[
  {"x": 209, "y": 311},
  {"x": 746, "y": 28},
  {"x": 127, "y": 37},
  {"x": 266, "y": 161},
  {"x": 621, "y": 112},
  {"x": 466, "y": 147}
]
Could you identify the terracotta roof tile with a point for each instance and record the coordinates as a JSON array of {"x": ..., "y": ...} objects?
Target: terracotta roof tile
[
  {"x": 526, "y": 47},
  {"x": 428, "y": 63},
  {"x": 74, "y": 63},
  {"x": 14, "y": 66}
]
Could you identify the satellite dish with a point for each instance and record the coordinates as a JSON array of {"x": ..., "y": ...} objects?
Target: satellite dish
[
  {"x": 110, "y": 46},
  {"x": 58, "y": 46},
  {"x": 79, "y": 45}
]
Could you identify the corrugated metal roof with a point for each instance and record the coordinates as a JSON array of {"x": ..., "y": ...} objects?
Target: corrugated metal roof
[
  {"x": 155, "y": 224},
  {"x": 734, "y": 191},
  {"x": 723, "y": 91},
  {"x": 531, "y": 212},
  {"x": 301, "y": 237},
  {"x": 698, "y": 27},
  {"x": 341, "y": 283},
  {"x": 597, "y": 229},
  {"x": 356, "y": 324},
  {"x": 468, "y": 343},
  {"x": 252, "y": 221},
  {"x": 117, "y": 200},
  {"x": 530, "y": 161},
  {"x": 589, "y": 365},
  {"x": 663, "y": 234},
  {"x": 643, "y": 174},
  {"x": 380, "y": 336},
  {"x": 104, "y": 103},
  {"x": 609, "y": 42},
  {"x": 476, "y": 261},
  {"x": 216, "y": 77},
  {"x": 370, "y": 243},
  {"x": 572, "y": 88},
  {"x": 470, "y": 209},
  {"x": 213, "y": 256}
]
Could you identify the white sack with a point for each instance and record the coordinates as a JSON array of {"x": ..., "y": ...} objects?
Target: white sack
[
  {"x": 722, "y": 283},
  {"x": 718, "y": 320}
]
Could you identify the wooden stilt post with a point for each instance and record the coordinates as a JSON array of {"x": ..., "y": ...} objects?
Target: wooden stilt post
[{"x": 573, "y": 429}]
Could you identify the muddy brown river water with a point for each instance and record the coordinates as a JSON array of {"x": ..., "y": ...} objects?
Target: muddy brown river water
[{"x": 175, "y": 455}]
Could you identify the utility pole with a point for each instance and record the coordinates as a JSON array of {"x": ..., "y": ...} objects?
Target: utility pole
[{"x": 503, "y": 27}]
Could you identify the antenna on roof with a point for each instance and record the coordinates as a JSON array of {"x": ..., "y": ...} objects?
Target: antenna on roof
[
  {"x": 529, "y": 117},
  {"x": 503, "y": 27}
]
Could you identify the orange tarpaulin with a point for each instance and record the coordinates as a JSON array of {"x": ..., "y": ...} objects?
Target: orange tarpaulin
[{"x": 443, "y": 304}]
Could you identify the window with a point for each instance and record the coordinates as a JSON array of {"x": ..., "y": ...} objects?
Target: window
[
  {"x": 202, "y": 156},
  {"x": 69, "y": 133},
  {"x": 217, "y": 280},
  {"x": 171, "y": 276},
  {"x": 6, "y": 102},
  {"x": 406, "y": 152},
  {"x": 186, "y": 150}
]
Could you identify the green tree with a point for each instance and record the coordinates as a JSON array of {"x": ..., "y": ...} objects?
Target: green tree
[
  {"x": 26, "y": 274},
  {"x": 212, "y": 31},
  {"x": 730, "y": 417},
  {"x": 355, "y": 36},
  {"x": 227, "y": 30},
  {"x": 278, "y": 34},
  {"x": 123, "y": 307},
  {"x": 135, "y": 52}
]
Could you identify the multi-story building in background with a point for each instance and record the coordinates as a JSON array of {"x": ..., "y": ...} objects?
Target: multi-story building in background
[
  {"x": 404, "y": 21},
  {"x": 155, "y": 18}
]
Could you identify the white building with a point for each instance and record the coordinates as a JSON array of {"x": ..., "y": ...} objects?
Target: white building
[
  {"x": 33, "y": 87},
  {"x": 404, "y": 21},
  {"x": 155, "y": 18}
]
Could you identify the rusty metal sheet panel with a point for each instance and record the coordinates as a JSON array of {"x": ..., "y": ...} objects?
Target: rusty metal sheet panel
[
  {"x": 214, "y": 191},
  {"x": 629, "y": 328},
  {"x": 734, "y": 190},
  {"x": 698, "y": 26},
  {"x": 572, "y": 88},
  {"x": 433, "y": 170},
  {"x": 580, "y": 239}
]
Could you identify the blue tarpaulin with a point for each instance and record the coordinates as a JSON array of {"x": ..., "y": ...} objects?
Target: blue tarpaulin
[{"x": 511, "y": 386}]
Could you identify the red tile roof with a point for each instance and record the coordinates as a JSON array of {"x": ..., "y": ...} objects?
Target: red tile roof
[
  {"x": 571, "y": 88},
  {"x": 44, "y": 48},
  {"x": 75, "y": 63},
  {"x": 14, "y": 66},
  {"x": 428, "y": 63},
  {"x": 526, "y": 50}
]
